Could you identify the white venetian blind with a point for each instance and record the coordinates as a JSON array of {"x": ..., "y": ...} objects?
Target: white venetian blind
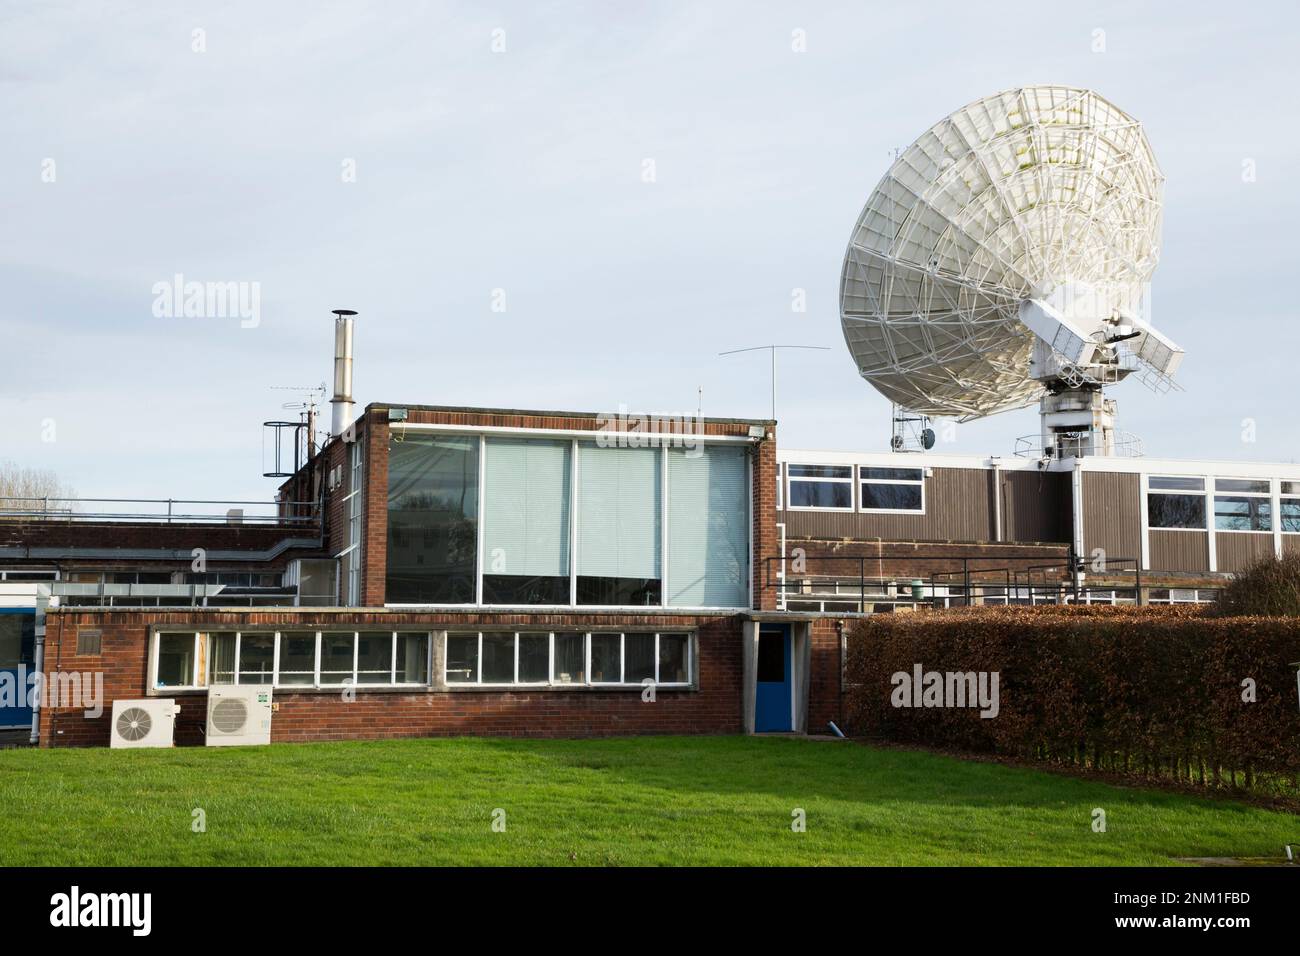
[
  {"x": 619, "y": 509},
  {"x": 526, "y": 507},
  {"x": 708, "y": 527}
]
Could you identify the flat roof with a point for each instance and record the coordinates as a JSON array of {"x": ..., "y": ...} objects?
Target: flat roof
[{"x": 552, "y": 413}]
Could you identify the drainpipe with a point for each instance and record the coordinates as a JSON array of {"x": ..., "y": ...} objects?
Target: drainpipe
[
  {"x": 38, "y": 660},
  {"x": 1076, "y": 507},
  {"x": 997, "y": 498}
]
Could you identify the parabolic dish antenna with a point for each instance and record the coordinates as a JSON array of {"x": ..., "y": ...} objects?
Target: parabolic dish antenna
[{"x": 1005, "y": 255}]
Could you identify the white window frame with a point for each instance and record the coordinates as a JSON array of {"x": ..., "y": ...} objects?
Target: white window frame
[
  {"x": 551, "y": 682},
  {"x": 201, "y": 637},
  {"x": 1274, "y": 506},
  {"x": 861, "y": 498},
  {"x": 851, "y": 481},
  {"x": 1204, "y": 494}
]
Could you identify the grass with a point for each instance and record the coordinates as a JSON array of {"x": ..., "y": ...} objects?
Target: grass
[{"x": 643, "y": 801}]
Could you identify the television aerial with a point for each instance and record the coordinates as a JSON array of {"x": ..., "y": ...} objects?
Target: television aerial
[{"x": 1004, "y": 259}]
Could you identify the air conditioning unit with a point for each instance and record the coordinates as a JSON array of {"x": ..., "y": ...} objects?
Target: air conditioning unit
[
  {"x": 144, "y": 723},
  {"x": 239, "y": 715}
]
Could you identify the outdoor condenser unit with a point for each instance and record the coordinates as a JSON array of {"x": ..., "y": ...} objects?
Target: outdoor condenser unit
[
  {"x": 144, "y": 723},
  {"x": 239, "y": 715}
]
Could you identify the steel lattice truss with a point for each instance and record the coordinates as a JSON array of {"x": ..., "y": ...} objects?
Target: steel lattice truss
[{"x": 1008, "y": 197}]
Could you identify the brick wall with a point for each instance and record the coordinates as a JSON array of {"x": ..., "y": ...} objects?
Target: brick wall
[
  {"x": 713, "y": 708},
  {"x": 824, "y": 676}
]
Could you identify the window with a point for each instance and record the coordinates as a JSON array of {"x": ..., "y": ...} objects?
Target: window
[
  {"x": 780, "y": 487},
  {"x": 892, "y": 489},
  {"x": 1176, "y": 502},
  {"x": 497, "y": 658},
  {"x": 432, "y": 519},
  {"x": 18, "y": 637},
  {"x": 620, "y": 505},
  {"x": 308, "y": 659},
  {"x": 821, "y": 486},
  {"x": 708, "y": 527},
  {"x": 355, "y": 504},
  {"x": 1290, "y": 516},
  {"x": 527, "y": 487},
  {"x": 1250, "y": 511}
]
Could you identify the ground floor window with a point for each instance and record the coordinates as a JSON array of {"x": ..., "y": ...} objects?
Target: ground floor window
[
  {"x": 195, "y": 659},
  {"x": 561, "y": 658}
]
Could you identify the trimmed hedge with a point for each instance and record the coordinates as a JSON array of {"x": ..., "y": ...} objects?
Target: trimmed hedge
[
  {"x": 1147, "y": 692},
  {"x": 1268, "y": 587}
]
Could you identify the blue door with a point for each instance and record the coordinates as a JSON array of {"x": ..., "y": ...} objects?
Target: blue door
[
  {"x": 773, "y": 697},
  {"x": 17, "y": 646}
]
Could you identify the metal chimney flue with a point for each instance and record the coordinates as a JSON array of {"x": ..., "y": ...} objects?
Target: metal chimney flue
[{"x": 342, "y": 404}]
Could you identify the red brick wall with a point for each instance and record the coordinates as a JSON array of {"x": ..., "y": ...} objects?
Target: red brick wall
[
  {"x": 824, "y": 677},
  {"x": 713, "y": 708}
]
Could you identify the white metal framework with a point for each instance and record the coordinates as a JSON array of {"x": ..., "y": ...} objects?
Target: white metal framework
[{"x": 1034, "y": 195}]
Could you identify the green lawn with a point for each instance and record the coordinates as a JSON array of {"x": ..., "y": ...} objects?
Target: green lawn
[{"x": 680, "y": 800}]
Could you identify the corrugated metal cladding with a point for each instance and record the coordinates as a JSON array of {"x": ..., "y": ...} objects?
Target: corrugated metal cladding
[
  {"x": 958, "y": 507},
  {"x": 1179, "y": 550},
  {"x": 1233, "y": 550},
  {"x": 1291, "y": 544},
  {"x": 1112, "y": 515}
]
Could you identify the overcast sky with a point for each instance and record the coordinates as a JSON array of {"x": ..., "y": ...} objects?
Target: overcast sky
[{"x": 129, "y": 157}]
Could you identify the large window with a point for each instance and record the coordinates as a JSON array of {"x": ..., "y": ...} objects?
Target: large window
[
  {"x": 355, "y": 504},
  {"x": 1176, "y": 502},
  {"x": 821, "y": 486},
  {"x": 1248, "y": 508},
  {"x": 708, "y": 527},
  {"x": 527, "y": 488},
  {"x": 892, "y": 489},
  {"x": 291, "y": 659},
  {"x": 432, "y": 519},
  {"x": 620, "y": 505},
  {"x": 529, "y": 658},
  {"x": 515, "y": 521}
]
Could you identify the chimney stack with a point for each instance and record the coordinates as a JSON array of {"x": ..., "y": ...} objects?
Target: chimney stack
[{"x": 341, "y": 403}]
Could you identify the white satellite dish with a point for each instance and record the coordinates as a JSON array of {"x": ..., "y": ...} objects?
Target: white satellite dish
[{"x": 1004, "y": 259}]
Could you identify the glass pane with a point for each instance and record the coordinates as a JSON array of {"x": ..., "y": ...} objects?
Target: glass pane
[
  {"x": 619, "y": 514},
  {"x": 498, "y": 658},
  {"x": 256, "y": 658},
  {"x": 708, "y": 527},
  {"x": 622, "y": 592},
  {"x": 374, "y": 657},
  {"x": 821, "y": 494},
  {"x": 820, "y": 471},
  {"x": 605, "y": 658},
  {"x": 672, "y": 659},
  {"x": 1176, "y": 511},
  {"x": 534, "y": 658},
  {"x": 1176, "y": 484},
  {"x": 297, "y": 659},
  {"x": 221, "y": 648},
  {"x": 1291, "y": 487},
  {"x": 638, "y": 658},
  {"x": 462, "y": 658},
  {"x": 570, "y": 659},
  {"x": 526, "y": 521},
  {"x": 175, "y": 660},
  {"x": 412, "y": 658},
  {"x": 891, "y": 497},
  {"x": 432, "y": 520},
  {"x": 1234, "y": 513},
  {"x": 1241, "y": 484},
  {"x": 893, "y": 474},
  {"x": 1290, "y": 514},
  {"x": 336, "y": 657}
]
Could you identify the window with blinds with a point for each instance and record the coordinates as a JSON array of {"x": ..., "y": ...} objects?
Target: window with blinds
[
  {"x": 620, "y": 508},
  {"x": 708, "y": 527},
  {"x": 527, "y": 486}
]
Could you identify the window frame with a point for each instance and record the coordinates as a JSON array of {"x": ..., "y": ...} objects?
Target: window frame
[
  {"x": 1212, "y": 516},
  {"x": 919, "y": 482},
  {"x": 1203, "y": 493},
  {"x": 551, "y": 683},
  {"x": 203, "y": 639},
  {"x": 851, "y": 481}
]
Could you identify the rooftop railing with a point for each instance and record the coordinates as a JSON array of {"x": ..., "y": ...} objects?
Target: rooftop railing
[{"x": 160, "y": 511}]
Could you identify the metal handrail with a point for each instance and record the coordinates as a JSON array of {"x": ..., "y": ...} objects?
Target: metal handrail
[{"x": 51, "y": 508}]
